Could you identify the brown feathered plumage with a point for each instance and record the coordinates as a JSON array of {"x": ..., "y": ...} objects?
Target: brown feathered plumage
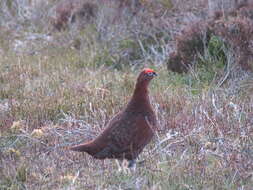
[{"x": 130, "y": 130}]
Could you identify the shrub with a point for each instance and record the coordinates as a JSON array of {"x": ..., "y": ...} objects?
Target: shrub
[
  {"x": 236, "y": 31},
  {"x": 73, "y": 12},
  {"x": 188, "y": 45}
]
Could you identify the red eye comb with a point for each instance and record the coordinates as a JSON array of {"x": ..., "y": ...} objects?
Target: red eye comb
[{"x": 147, "y": 70}]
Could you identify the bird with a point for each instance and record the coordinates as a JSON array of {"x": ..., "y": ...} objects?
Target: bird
[{"x": 130, "y": 130}]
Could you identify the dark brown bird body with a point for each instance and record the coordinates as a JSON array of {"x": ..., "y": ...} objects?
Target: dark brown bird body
[{"x": 130, "y": 130}]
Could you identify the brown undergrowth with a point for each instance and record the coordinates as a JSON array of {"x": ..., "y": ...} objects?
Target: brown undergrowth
[{"x": 204, "y": 138}]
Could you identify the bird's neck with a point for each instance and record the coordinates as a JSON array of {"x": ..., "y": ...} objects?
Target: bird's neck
[{"x": 140, "y": 96}]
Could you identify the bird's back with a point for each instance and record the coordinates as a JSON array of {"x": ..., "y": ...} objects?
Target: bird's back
[{"x": 124, "y": 137}]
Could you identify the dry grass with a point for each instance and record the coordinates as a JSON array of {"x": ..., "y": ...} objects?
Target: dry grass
[{"x": 204, "y": 140}]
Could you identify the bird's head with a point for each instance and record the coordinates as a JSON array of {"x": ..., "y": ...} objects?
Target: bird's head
[{"x": 146, "y": 75}]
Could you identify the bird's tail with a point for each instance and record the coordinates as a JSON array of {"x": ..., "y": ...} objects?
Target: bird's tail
[{"x": 81, "y": 148}]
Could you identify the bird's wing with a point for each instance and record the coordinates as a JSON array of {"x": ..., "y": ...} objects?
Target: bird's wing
[
  {"x": 124, "y": 135},
  {"x": 131, "y": 133}
]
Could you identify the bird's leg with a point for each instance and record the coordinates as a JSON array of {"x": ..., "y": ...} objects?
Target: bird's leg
[
  {"x": 125, "y": 167},
  {"x": 128, "y": 166},
  {"x": 103, "y": 164},
  {"x": 118, "y": 165},
  {"x": 131, "y": 163}
]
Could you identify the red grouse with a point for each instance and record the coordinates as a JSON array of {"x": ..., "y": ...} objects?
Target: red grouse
[{"x": 128, "y": 132}]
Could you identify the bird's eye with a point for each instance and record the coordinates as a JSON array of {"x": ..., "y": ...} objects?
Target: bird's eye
[{"x": 151, "y": 74}]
